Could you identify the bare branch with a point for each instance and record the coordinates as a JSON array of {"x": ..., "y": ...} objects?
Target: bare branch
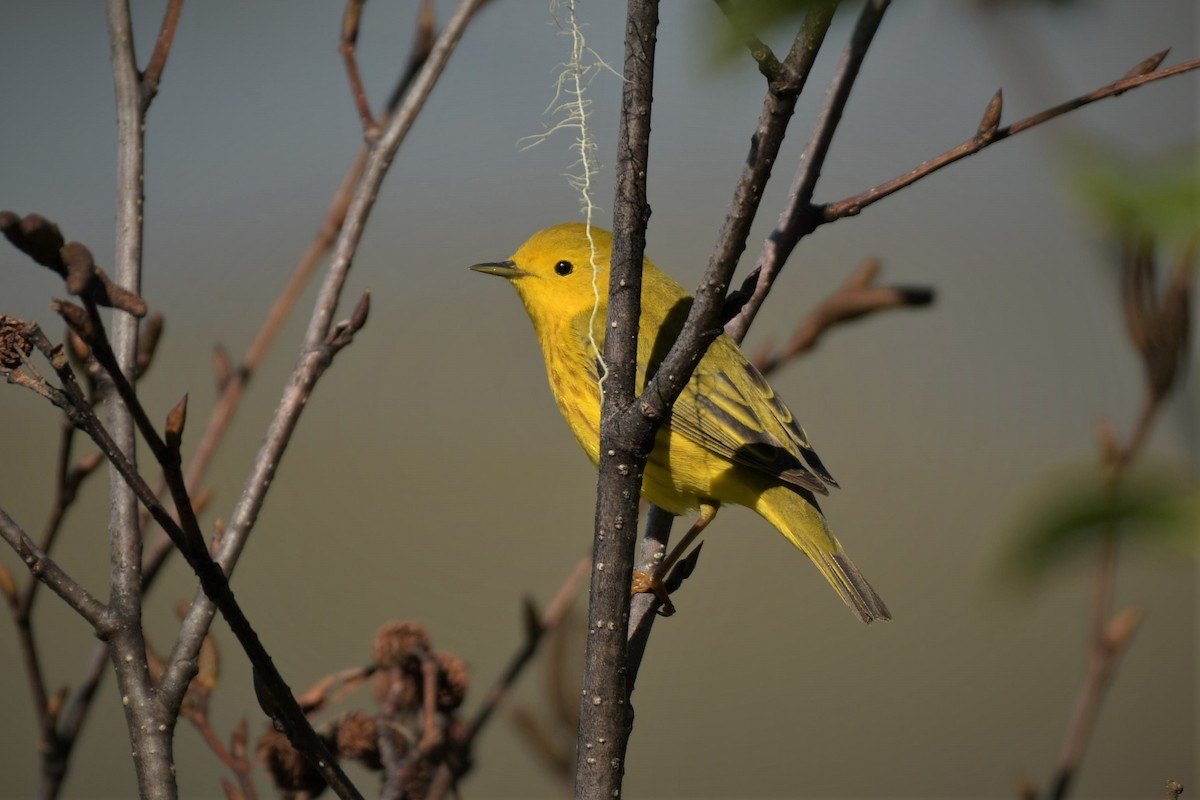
[
  {"x": 232, "y": 382},
  {"x": 1149, "y": 317},
  {"x": 778, "y": 106},
  {"x": 760, "y": 51},
  {"x": 349, "y": 50},
  {"x": 702, "y": 325},
  {"x": 644, "y": 606},
  {"x": 854, "y": 299},
  {"x": 318, "y": 350},
  {"x": 793, "y": 224},
  {"x": 232, "y": 386},
  {"x": 162, "y": 48},
  {"x": 603, "y": 729},
  {"x": 150, "y": 725},
  {"x": 853, "y": 205},
  {"x": 46, "y": 571},
  {"x": 214, "y": 582}
]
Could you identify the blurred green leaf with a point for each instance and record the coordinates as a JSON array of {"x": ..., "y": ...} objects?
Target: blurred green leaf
[
  {"x": 1077, "y": 511},
  {"x": 991, "y": 4},
  {"x": 1157, "y": 195},
  {"x": 759, "y": 18}
]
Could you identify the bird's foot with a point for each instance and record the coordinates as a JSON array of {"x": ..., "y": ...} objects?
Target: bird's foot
[{"x": 644, "y": 582}]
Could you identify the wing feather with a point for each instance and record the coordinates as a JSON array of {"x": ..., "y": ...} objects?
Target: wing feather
[{"x": 736, "y": 414}]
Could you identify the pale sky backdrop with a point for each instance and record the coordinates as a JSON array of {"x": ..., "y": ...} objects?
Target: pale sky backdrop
[{"x": 432, "y": 479}]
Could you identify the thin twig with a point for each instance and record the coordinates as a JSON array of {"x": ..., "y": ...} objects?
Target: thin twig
[
  {"x": 1107, "y": 635},
  {"x": 779, "y": 103},
  {"x": 549, "y": 620},
  {"x": 855, "y": 204},
  {"x": 67, "y": 481},
  {"x": 318, "y": 348},
  {"x": 237, "y": 762},
  {"x": 760, "y": 51},
  {"x": 792, "y": 222},
  {"x": 854, "y": 299},
  {"x": 233, "y": 388},
  {"x": 1158, "y": 323},
  {"x": 162, "y": 48},
  {"x": 537, "y": 628},
  {"x": 233, "y": 385},
  {"x": 45, "y": 570},
  {"x": 349, "y": 49},
  {"x": 215, "y": 584},
  {"x": 644, "y": 606},
  {"x": 320, "y": 694},
  {"x": 702, "y": 325}
]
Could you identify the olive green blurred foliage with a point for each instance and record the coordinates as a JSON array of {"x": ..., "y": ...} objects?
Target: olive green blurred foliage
[
  {"x": 1077, "y": 509},
  {"x": 1156, "y": 196},
  {"x": 754, "y": 18}
]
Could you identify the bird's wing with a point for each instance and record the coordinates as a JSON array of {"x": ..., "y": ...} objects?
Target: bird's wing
[{"x": 736, "y": 414}]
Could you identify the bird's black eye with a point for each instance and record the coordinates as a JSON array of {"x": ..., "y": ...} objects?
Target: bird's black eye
[{"x": 564, "y": 268}]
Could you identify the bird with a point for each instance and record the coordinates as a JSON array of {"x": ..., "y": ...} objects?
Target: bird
[{"x": 728, "y": 439}]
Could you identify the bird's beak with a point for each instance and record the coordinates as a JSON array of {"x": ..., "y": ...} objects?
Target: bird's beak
[{"x": 505, "y": 269}]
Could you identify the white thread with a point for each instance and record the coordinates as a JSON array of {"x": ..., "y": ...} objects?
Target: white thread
[{"x": 574, "y": 113}]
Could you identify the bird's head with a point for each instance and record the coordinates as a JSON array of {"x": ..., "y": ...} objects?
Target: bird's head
[{"x": 553, "y": 271}]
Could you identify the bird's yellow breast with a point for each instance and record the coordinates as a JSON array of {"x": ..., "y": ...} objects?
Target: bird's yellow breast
[{"x": 680, "y": 474}]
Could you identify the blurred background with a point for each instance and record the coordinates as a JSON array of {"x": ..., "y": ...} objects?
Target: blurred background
[{"x": 432, "y": 479}]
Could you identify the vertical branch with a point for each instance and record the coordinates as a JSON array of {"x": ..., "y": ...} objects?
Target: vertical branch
[
  {"x": 383, "y": 151},
  {"x": 1159, "y": 326},
  {"x": 785, "y": 81},
  {"x": 644, "y": 606},
  {"x": 800, "y": 217},
  {"x": 126, "y": 577},
  {"x": 150, "y": 728},
  {"x": 603, "y": 723},
  {"x": 320, "y": 344}
]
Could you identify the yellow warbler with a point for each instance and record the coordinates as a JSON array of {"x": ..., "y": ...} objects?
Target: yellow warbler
[{"x": 728, "y": 439}]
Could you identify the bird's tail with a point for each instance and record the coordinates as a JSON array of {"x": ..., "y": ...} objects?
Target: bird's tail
[{"x": 799, "y": 519}]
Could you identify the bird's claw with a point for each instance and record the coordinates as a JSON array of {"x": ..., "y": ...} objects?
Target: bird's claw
[{"x": 644, "y": 583}]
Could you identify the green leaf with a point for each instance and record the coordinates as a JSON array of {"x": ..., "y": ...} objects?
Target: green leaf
[
  {"x": 1156, "y": 195},
  {"x": 761, "y": 18},
  {"x": 1077, "y": 511}
]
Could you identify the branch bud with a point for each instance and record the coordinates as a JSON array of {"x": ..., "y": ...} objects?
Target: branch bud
[
  {"x": 8, "y": 587},
  {"x": 361, "y": 312},
  {"x": 76, "y": 318},
  {"x": 148, "y": 343},
  {"x": 222, "y": 367},
  {"x": 36, "y": 237},
  {"x": 209, "y": 666},
  {"x": 85, "y": 278},
  {"x": 1121, "y": 628},
  {"x": 78, "y": 350},
  {"x": 1147, "y": 66},
  {"x": 176, "y": 420},
  {"x": 45, "y": 241},
  {"x": 55, "y": 703},
  {"x": 915, "y": 295},
  {"x": 81, "y": 267},
  {"x": 532, "y": 620},
  {"x": 990, "y": 124}
]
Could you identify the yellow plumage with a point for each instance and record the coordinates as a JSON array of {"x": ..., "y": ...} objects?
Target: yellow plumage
[{"x": 729, "y": 438}]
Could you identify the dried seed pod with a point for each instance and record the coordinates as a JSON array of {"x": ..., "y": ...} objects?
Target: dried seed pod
[
  {"x": 290, "y": 771},
  {"x": 14, "y": 347},
  {"x": 357, "y": 738},
  {"x": 453, "y": 680},
  {"x": 396, "y": 642}
]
